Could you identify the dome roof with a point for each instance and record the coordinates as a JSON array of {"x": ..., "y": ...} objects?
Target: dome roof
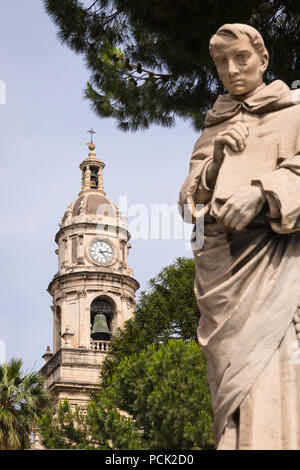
[{"x": 90, "y": 206}]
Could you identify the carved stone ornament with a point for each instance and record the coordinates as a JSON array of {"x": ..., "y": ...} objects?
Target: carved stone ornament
[
  {"x": 67, "y": 336},
  {"x": 81, "y": 293},
  {"x": 48, "y": 354}
]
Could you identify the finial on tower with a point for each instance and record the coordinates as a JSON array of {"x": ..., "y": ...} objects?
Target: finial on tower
[
  {"x": 91, "y": 144},
  {"x": 91, "y": 167}
]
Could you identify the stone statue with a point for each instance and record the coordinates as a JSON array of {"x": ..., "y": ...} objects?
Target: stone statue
[{"x": 245, "y": 170}]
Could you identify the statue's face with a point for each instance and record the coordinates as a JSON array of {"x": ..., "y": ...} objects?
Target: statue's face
[{"x": 238, "y": 64}]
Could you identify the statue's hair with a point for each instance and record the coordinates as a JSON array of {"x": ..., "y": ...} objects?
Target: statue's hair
[{"x": 236, "y": 31}]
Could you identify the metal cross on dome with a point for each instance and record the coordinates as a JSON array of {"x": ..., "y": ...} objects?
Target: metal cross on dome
[{"x": 91, "y": 131}]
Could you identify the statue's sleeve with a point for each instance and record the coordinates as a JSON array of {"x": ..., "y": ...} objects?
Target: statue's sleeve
[
  {"x": 195, "y": 193},
  {"x": 282, "y": 191}
]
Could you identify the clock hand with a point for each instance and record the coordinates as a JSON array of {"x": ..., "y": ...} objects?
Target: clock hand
[
  {"x": 106, "y": 251},
  {"x": 103, "y": 254}
]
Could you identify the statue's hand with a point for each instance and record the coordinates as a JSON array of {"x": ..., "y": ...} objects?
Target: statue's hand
[
  {"x": 241, "y": 207},
  {"x": 235, "y": 136}
]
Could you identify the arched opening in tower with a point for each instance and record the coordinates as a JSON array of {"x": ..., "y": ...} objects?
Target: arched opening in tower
[
  {"x": 102, "y": 311},
  {"x": 94, "y": 177}
]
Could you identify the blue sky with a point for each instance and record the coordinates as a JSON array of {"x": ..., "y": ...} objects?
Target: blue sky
[{"x": 43, "y": 134}]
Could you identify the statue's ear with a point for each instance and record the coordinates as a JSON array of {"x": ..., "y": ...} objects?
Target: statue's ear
[{"x": 264, "y": 62}]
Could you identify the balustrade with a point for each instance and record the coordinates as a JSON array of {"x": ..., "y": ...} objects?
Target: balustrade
[{"x": 100, "y": 345}]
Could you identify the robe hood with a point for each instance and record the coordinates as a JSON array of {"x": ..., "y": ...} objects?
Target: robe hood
[{"x": 268, "y": 98}]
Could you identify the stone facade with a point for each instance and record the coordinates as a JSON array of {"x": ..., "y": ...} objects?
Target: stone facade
[{"x": 93, "y": 278}]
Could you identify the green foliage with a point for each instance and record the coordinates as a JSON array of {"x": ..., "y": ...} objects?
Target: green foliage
[
  {"x": 166, "y": 392},
  {"x": 109, "y": 427},
  {"x": 149, "y": 59},
  {"x": 168, "y": 309},
  {"x": 67, "y": 431},
  {"x": 158, "y": 399},
  {"x": 100, "y": 427},
  {"x": 22, "y": 398}
]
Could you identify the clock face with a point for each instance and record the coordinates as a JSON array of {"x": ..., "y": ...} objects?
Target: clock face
[{"x": 102, "y": 252}]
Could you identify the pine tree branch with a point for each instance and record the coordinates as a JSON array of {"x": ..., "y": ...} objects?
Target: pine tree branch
[
  {"x": 148, "y": 32},
  {"x": 91, "y": 6}
]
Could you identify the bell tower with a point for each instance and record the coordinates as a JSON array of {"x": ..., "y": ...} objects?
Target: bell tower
[{"x": 94, "y": 289}]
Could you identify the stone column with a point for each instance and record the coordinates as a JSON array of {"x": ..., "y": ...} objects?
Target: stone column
[
  {"x": 123, "y": 252},
  {"x": 100, "y": 179},
  {"x": 83, "y": 324},
  {"x": 64, "y": 254},
  {"x": 80, "y": 249},
  {"x": 87, "y": 178}
]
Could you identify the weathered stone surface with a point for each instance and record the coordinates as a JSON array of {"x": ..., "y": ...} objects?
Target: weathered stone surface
[{"x": 247, "y": 272}]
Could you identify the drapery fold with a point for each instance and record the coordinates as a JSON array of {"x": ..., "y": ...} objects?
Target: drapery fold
[{"x": 248, "y": 283}]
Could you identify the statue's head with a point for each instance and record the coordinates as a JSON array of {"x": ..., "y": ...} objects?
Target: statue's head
[{"x": 241, "y": 58}]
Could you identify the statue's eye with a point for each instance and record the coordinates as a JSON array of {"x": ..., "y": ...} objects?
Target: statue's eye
[{"x": 242, "y": 57}]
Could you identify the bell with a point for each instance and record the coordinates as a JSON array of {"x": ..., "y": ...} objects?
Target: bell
[
  {"x": 94, "y": 184},
  {"x": 100, "y": 328},
  {"x": 94, "y": 181}
]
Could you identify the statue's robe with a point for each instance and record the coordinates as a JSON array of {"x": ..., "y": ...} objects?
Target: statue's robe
[{"x": 248, "y": 283}]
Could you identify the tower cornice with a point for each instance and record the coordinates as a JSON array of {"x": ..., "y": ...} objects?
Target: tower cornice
[
  {"x": 83, "y": 225},
  {"x": 93, "y": 276}
]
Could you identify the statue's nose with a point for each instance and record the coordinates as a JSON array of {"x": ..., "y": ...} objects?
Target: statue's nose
[{"x": 232, "y": 68}]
